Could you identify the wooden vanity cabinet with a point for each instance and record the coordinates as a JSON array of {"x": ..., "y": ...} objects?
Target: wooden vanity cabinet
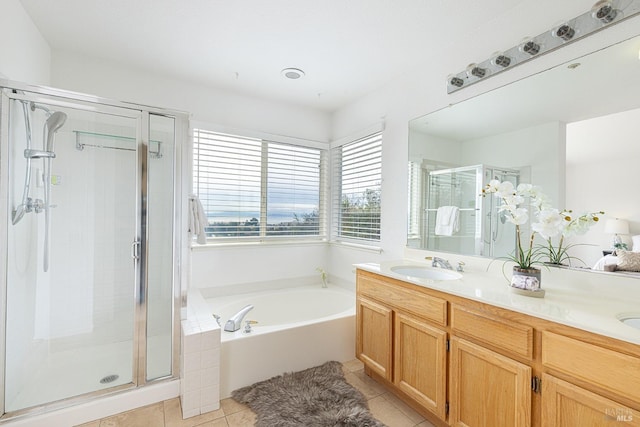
[
  {"x": 597, "y": 382},
  {"x": 487, "y": 388},
  {"x": 420, "y": 361},
  {"x": 567, "y": 405},
  {"x": 374, "y": 336},
  {"x": 400, "y": 346},
  {"x": 465, "y": 363}
]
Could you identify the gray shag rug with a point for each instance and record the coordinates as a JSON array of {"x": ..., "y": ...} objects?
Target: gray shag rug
[{"x": 315, "y": 397}]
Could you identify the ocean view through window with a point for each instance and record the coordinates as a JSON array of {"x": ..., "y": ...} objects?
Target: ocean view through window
[{"x": 255, "y": 189}]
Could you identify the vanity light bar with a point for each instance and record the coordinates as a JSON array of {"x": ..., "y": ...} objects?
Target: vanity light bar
[{"x": 603, "y": 14}]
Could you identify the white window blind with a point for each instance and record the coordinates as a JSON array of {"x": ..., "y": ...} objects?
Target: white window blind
[
  {"x": 415, "y": 204},
  {"x": 256, "y": 189},
  {"x": 356, "y": 197}
]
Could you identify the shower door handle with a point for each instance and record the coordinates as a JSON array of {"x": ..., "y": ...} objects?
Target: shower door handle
[{"x": 135, "y": 250}]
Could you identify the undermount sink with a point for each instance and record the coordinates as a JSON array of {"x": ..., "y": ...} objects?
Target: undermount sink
[
  {"x": 422, "y": 272},
  {"x": 632, "y": 320}
]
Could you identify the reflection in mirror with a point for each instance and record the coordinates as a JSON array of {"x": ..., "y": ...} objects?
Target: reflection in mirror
[{"x": 572, "y": 130}]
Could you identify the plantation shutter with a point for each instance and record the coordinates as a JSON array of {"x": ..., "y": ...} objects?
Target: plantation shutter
[
  {"x": 356, "y": 198},
  {"x": 294, "y": 191},
  {"x": 227, "y": 179},
  {"x": 415, "y": 200},
  {"x": 251, "y": 188}
]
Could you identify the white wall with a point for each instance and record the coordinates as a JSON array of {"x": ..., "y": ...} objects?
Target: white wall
[
  {"x": 602, "y": 171},
  {"x": 25, "y": 54},
  {"x": 232, "y": 265},
  {"x": 423, "y": 90},
  {"x": 206, "y": 104},
  {"x": 538, "y": 148},
  {"x": 210, "y": 266}
]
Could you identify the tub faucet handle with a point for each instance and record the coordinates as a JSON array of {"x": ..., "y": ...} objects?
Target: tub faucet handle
[
  {"x": 460, "y": 267},
  {"x": 215, "y": 316},
  {"x": 247, "y": 326}
]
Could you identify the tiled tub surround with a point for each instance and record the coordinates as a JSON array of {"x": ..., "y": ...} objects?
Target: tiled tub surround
[
  {"x": 298, "y": 327},
  {"x": 200, "y": 360}
]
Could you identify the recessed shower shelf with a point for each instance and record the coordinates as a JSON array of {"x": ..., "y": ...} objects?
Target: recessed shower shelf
[{"x": 157, "y": 154}]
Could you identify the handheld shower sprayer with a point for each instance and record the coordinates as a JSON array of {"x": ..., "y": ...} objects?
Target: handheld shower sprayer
[{"x": 54, "y": 122}]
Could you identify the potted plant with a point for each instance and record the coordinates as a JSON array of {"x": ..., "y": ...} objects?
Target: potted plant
[
  {"x": 551, "y": 222},
  {"x": 570, "y": 225},
  {"x": 526, "y": 277}
]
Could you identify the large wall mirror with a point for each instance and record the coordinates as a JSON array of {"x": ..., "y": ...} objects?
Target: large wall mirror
[{"x": 573, "y": 130}]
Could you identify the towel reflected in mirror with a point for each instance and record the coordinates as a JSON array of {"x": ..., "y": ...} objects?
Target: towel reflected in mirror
[{"x": 447, "y": 220}]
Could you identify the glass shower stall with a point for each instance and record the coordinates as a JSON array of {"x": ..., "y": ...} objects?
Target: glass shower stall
[
  {"x": 480, "y": 228},
  {"x": 90, "y": 246}
]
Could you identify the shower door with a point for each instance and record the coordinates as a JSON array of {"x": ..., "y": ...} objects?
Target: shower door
[
  {"x": 499, "y": 235},
  {"x": 73, "y": 177},
  {"x": 459, "y": 187}
]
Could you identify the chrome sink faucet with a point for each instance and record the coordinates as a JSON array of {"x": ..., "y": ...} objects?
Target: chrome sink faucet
[
  {"x": 439, "y": 262},
  {"x": 234, "y": 323}
]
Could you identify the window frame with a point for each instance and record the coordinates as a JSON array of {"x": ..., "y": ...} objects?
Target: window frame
[
  {"x": 337, "y": 179},
  {"x": 322, "y": 150}
]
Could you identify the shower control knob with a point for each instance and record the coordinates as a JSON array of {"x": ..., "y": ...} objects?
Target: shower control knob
[{"x": 38, "y": 205}]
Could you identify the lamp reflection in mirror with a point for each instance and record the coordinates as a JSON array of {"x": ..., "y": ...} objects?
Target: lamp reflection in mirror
[{"x": 616, "y": 227}]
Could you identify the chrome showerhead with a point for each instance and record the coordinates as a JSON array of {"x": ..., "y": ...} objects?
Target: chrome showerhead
[{"x": 54, "y": 122}]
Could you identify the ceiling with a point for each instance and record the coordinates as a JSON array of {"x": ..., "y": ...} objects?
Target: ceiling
[{"x": 347, "y": 48}]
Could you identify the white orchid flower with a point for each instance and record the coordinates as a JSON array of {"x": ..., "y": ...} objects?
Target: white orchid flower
[
  {"x": 492, "y": 186},
  {"x": 578, "y": 225},
  {"x": 518, "y": 216},
  {"x": 512, "y": 199},
  {"x": 550, "y": 223},
  {"x": 505, "y": 189},
  {"x": 525, "y": 188}
]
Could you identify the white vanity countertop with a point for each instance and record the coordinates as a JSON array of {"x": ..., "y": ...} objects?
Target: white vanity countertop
[{"x": 584, "y": 300}]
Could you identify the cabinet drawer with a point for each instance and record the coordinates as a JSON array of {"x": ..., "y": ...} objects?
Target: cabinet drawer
[
  {"x": 612, "y": 371},
  {"x": 512, "y": 337},
  {"x": 408, "y": 300}
]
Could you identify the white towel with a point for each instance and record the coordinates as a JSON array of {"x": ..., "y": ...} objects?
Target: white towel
[
  {"x": 197, "y": 220},
  {"x": 447, "y": 220}
]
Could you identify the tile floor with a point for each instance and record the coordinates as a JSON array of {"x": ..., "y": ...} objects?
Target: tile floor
[{"x": 385, "y": 406}]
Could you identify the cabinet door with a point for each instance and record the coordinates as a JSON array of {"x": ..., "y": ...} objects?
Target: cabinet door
[
  {"x": 420, "y": 362},
  {"x": 488, "y": 389},
  {"x": 373, "y": 336},
  {"x": 567, "y": 405}
]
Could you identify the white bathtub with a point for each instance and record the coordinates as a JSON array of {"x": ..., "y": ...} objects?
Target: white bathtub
[{"x": 298, "y": 328}]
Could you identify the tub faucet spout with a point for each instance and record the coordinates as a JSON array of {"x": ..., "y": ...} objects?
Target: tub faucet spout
[{"x": 233, "y": 324}]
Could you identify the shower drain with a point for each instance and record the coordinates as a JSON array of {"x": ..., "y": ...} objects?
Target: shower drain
[{"x": 109, "y": 379}]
